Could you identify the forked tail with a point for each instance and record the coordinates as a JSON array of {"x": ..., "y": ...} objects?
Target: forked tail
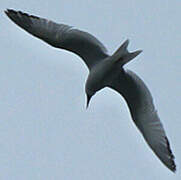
[{"x": 122, "y": 54}]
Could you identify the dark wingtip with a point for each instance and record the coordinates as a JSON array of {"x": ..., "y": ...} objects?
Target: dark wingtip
[
  {"x": 10, "y": 12},
  {"x": 173, "y": 165},
  {"x": 6, "y": 11},
  {"x": 22, "y": 19}
]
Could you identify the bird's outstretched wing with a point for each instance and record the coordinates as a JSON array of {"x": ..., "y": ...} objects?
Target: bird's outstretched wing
[
  {"x": 62, "y": 36},
  {"x": 143, "y": 113}
]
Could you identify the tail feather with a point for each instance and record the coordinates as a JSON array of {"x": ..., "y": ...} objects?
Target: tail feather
[
  {"x": 122, "y": 54},
  {"x": 122, "y": 50}
]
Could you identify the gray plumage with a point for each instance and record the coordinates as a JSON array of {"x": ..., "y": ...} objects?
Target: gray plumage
[{"x": 105, "y": 71}]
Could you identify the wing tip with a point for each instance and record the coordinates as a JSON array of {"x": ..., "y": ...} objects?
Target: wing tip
[
  {"x": 11, "y": 12},
  {"x": 172, "y": 157},
  {"x": 22, "y": 19}
]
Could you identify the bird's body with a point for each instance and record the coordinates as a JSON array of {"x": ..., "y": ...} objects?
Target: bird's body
[
  {"x": 100, "y": 75},
  {"x": 105, "y": 71}
]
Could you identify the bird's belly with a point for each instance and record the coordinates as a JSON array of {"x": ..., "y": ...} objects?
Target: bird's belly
[{"x": 100, "y": 77}]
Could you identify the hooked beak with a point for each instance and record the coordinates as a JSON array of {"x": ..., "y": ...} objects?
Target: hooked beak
[{"x": 88, "y": 100}]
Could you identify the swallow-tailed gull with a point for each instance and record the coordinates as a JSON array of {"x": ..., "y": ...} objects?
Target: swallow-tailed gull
[{"x": 105, "y": 71}]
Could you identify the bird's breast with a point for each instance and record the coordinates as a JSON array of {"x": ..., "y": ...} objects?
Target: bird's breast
[{"x": 100, "y": 75}]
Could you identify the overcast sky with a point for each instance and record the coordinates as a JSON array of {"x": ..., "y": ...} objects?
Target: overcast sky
[{"x": 46, "y": 133}]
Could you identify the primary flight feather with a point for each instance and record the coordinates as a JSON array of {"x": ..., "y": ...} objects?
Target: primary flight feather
[{"x": 105, "y": 71}]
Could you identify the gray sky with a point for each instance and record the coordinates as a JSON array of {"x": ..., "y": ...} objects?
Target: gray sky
[{"x": 46, "y": 132}]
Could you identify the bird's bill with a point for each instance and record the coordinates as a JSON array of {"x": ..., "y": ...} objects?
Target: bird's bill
[{"x": 88, "y": 100}]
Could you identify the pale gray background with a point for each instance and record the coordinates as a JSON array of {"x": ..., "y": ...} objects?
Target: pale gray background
[{"x": 45, "y": 131}]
